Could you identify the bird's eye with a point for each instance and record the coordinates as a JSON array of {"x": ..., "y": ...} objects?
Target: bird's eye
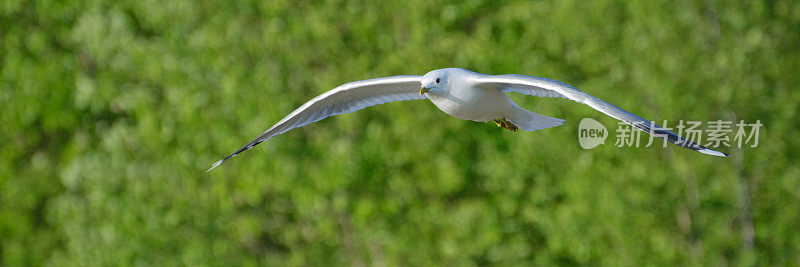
[{"x": 437, "y": 80}]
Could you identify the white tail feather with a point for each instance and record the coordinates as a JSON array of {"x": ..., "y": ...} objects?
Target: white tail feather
[{"x": 529, "y": 121}]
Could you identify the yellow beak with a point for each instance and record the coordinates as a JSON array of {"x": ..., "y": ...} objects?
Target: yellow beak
[{"x": 423, "y": 90}]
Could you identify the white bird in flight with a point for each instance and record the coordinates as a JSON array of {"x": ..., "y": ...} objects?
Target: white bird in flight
[{"x": 465, "y": 95}]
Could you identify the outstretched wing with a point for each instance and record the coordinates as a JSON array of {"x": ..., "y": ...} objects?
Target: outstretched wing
[
  {"x": 346, "y": 98},
  {"x": 544, "y": 87}
]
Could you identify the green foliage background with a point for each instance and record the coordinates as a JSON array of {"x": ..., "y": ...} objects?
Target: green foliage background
[{"x": 111, "y": 111}]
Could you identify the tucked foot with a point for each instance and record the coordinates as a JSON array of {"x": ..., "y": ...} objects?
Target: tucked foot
[
  {"x": 510, "y": 126},
  {"x": 506, "y": 124}
]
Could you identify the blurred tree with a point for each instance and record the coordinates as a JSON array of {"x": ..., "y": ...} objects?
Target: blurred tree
[{"x": 110, "y": 111}]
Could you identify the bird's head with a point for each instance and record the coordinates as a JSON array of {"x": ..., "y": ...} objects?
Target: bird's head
[{"x": 435, "y": 81}]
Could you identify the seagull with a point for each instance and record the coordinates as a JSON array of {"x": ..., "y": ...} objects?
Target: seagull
[{"x": 463, "y": 94}]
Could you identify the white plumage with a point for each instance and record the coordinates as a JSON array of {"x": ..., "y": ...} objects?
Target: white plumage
[{"x": 462, "y": 94}]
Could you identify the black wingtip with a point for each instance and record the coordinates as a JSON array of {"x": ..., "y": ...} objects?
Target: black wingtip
[
  {"x": 713, "y": 152},
  {"x": 226, "y": 158},
  {"x": 244, "y": 148}
]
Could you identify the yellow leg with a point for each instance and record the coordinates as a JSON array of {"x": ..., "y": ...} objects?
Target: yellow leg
[{"x": 499, "y": 123}]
